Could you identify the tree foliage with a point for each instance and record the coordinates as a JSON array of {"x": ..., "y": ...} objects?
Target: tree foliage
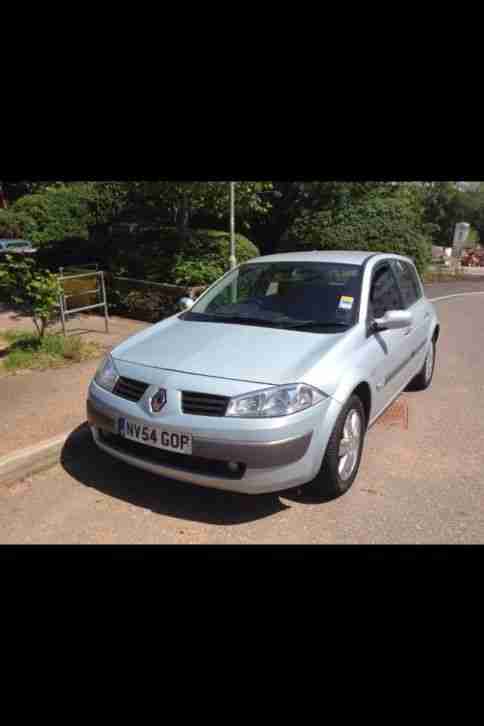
[
  {"x": 204, "y": 258},
  {"x": 199, "y": 260},
  {"x": 471, "y": 208},
  {"x": 291, "y": 200},
  {"x": 64, "y": 215},
  {"x": 59, "y": 212},
  {"x": 184, "y": 199},
  {"x": 376, "y": 221},
  {"x": 443, "y": 206},
  {"x": 10, "y": 227}
]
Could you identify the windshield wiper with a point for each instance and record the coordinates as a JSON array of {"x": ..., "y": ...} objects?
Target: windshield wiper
[
  {"x": 242, "y": 319},
  {"x": 282, "y": 323},
  {"x": 317, "y": 324}
]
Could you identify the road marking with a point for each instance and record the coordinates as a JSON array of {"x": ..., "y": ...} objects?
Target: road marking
[{"x": 457, "y": 294}]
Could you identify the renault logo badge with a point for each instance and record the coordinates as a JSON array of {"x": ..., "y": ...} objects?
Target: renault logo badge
[{"x": 158, "y": 400}]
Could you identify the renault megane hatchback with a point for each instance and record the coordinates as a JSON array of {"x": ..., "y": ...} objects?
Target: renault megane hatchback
[{"x": 272, "y": 377}]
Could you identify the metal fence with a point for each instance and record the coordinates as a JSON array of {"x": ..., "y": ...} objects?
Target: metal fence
[
  {"x": 75, "y": 269},
  {"x": 146, "y": 299},
  {"x": 74, "y": 286}
]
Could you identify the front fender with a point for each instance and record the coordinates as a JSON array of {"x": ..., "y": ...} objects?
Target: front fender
[{"x": 349, "y": 382}]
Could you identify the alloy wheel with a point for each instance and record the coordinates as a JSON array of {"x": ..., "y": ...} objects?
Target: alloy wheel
[{"x": 349, "y": 446}]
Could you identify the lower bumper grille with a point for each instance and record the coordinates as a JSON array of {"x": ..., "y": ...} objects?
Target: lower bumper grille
[{"x": 184, "y": 462}]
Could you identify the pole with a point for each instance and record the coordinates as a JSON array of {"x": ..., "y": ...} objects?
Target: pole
[
  {"x": 62, "y": 312},
  {"x": 233, "y": 260},
  {"x": 105, "y": 301}
]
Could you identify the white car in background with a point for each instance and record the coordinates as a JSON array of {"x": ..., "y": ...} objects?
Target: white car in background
[{"x": 16, "y": 246}]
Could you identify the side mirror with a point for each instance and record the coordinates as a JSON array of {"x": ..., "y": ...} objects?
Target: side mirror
[
  {"x": 185, "y": 303},
  {"x": 393, "y": 320}
]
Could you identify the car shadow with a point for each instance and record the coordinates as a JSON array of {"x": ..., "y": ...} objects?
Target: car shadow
[
  {"x": 92, "y": 467},
  {"x": 307, "y": 495}
]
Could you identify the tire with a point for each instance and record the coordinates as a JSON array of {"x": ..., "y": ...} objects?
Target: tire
[
  {"x": 332, "y": 481},
  {"x": 423, "y": 379}
]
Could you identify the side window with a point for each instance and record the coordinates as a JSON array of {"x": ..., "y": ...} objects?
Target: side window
[
  {"x": 384, "y": 292},
  {"x": 416, "y": 281},
  {"x": 408, "y": 282}
]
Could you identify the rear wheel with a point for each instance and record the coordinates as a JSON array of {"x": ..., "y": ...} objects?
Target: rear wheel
[{"x": 343, "y": 453}]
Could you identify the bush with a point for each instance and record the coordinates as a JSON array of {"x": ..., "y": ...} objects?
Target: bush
[
  {"x": 206, "y": 257},
  {"x": 377, "y": 224},
  {"x": 57, "y": 213},
  {"x": 198, "y": 261}
]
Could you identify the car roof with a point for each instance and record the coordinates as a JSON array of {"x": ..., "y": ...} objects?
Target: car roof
[{"x": 349, "y": 257}]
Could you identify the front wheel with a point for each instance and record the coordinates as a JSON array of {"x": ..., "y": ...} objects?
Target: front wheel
[{"x": 343, "y": 453}]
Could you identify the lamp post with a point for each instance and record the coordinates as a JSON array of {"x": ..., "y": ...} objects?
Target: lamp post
[{"x": 233, "y": 260}]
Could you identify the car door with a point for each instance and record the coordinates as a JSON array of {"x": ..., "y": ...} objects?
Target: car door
[
  {"x": 389, "y": 350},
  {"x": 414, "y": 301}
]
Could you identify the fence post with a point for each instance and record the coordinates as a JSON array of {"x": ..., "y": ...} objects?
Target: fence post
[
  {"x": 105, "y": 300},
  {"x": 63, "y": 319}
]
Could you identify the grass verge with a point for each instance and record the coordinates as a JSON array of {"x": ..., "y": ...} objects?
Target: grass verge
[{"x": 23, "y": 351}]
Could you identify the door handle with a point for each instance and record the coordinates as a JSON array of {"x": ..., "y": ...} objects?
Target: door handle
[
  {"x": 427, "y": 315},
  {"x": 408, "y": 331}
]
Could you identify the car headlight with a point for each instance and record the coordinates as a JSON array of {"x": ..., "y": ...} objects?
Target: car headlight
[
  {"x": 275, "y": 401},
  {"x": 106, "y": 375}
]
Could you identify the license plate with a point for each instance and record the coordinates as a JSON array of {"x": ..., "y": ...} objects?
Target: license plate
[{"x": 178, "y": 441}]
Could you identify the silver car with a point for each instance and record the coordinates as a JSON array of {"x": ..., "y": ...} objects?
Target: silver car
[{"x": 270, "y": 379}]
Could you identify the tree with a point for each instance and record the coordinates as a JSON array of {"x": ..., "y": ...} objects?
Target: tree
[
  {"x": 35, "y": 291},
  {"x": 471, "y": 208},
  {"x": 378, "y": 220},
  {"x": 184, "y": 199},
  {"x": 13, "y": 190},
  {"x": 9, "y": 225},
  {"x": 442, "y": 207},
  {"x": 291, "y": 200}
]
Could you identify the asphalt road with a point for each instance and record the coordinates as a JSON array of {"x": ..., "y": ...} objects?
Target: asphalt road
[{"x": 424, "y": 484}]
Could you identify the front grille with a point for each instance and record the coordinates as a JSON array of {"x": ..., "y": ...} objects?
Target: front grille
[
  {"x": 204, "y": 404},
  {"x": 184, "y": 462},
  {"x": 130, "y": 389}
]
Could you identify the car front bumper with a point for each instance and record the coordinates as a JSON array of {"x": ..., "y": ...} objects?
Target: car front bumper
[{"x": 273, "y": 454}]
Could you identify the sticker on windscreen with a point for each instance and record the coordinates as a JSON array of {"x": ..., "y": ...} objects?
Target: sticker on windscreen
[{"x": 345, "y": 302}]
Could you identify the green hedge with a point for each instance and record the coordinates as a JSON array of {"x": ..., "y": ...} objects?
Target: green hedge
[
  {"x": 206, "y": 257},
  {"x": 198, "y": 261},
  {"x": 54, "y": 214}
]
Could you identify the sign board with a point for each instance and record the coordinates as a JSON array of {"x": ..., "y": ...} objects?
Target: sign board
[{"x": 460, "y": 236}]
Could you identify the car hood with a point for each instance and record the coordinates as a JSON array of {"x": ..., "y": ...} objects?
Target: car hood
[{"x": 222, "y": 350}]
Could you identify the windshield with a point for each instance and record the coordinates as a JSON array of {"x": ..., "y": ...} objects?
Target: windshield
[{"x": 315, "y": 296}]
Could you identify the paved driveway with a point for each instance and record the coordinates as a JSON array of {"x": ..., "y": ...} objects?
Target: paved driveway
[{"x": 421, "y": 484}]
